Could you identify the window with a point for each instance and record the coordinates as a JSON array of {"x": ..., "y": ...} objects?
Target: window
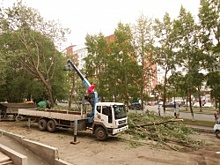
[
  {"x": 107, "y": 111},
  {"x": 98, "y": 109}
]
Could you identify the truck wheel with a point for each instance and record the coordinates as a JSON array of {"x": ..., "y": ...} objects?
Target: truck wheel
[
  {"x": 42, "y": 124},
  {"x": 101, "y": 134},
  {"x": 217, "y": 133},
  {"x": 18, "y": 118},
  {"x": 51, "y": 126}
]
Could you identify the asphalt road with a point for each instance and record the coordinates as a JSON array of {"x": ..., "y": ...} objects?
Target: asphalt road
[{"x": 184, "y": 115}]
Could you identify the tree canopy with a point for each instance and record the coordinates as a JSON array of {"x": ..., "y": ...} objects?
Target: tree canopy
[
  {"x": 123, "y": 65},
  {"x": 28, "y": 47}
]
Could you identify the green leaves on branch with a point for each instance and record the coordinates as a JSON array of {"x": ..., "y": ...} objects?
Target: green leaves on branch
[{"x": 165, "y": 132}]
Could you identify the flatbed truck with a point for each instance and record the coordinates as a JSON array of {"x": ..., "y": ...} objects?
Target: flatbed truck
[
  {"x": 106, "y": 119},
  {"x": 110, "y": 118}
]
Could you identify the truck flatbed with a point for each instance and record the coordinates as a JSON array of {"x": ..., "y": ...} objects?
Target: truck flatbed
[{"x": 53, "y": 114}]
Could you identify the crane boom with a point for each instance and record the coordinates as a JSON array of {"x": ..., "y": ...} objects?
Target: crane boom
[
  {"x": 85, "y": 81},
  {"x": 91, "y": 97}
]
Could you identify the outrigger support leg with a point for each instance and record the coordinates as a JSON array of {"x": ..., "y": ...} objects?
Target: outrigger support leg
[{"x": 75, "y": 133}]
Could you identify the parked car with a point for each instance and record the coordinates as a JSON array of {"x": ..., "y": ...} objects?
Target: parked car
[
  {"x": 169, "y": 105},
  {"x": 150, "y": 103},
  {"x": 135, "y": 106},
  {"x": 160, "y": 103},
  {"x": 208, "y": 104},
  {"x": 196, "y": 104}
]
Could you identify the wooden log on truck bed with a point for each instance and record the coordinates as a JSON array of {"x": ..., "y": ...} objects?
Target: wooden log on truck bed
[{"x": 53, "y": 114}]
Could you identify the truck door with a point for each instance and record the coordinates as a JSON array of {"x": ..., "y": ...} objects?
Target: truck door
[{"x": 106, "y": 110}]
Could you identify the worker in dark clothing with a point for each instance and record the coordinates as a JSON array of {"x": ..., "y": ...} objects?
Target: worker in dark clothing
[{"x": 216, "y": 115}]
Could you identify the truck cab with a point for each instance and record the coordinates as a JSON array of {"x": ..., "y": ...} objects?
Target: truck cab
[{"x": 110, "y": 118}]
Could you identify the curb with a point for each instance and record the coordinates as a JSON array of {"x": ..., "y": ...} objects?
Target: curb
[{"x": 46, "y": 152}]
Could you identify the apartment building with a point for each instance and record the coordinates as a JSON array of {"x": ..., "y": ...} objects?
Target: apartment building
[{"x": 78, "y": 53}]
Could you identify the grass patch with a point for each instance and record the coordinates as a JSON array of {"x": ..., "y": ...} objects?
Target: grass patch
[
  {"x": 205, "y": 110},
  {"x": 198, "y": 122}
]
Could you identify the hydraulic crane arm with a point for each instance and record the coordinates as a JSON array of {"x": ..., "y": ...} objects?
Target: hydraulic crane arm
[
  {"x": 84, "y": 80},
  {"x": 91, "y": 97}
]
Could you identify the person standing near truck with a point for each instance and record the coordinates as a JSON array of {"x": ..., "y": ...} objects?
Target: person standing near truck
[
  {"x": 174, "y": 109},
  {"x": 158, "y": 110},
  {"x": 177, "y": 110},
  {"x": 216, "y": 115}
]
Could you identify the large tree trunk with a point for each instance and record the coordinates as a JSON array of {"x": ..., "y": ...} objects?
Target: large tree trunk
[
  {"x": 51, "y": 99},
  {"x": 48, "y": 88},
  {"x": 71, "y": 92},
  {"x": 164, "y": 91},
  {"x": 200, "y": 101},
  {"x": 190, "y": 105}
]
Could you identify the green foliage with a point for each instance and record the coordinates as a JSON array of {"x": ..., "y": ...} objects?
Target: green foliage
[
  {"x": 27, "y": 45},
  {"x": 209, "y": 17},
  {"x": 150, "y": 126},
  {"x": 164, "y": 53},
  {"x": 143, "y": 43},
  {"x": 111, "y": 66},
  {"x": 28, "y": 51},
  {"x": 213, "y": 81}
]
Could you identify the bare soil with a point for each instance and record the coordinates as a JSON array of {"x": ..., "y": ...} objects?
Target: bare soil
[{"x": 117, "y": 150}]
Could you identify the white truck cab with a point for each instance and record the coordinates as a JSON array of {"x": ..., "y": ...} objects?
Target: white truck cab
[{"x": 110, "y": 118}]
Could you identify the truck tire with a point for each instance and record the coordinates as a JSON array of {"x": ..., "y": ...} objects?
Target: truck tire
[
  {"x": 42, "y": 124},
  {"x": 101, "y": 134},
  {"x": 18, "y": 118},
  {"x": 51, "y": 126},
  {"x": 217, "y": 133}
]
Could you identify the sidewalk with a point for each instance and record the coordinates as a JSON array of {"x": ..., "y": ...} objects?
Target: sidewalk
[
  {"x": 208, "y": 111},
  {"x": 196, "y": 110},
  {"x": 207, "y": 115}
]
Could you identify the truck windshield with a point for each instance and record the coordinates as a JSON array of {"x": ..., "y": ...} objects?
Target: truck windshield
[{"x": 120, "y": 111}]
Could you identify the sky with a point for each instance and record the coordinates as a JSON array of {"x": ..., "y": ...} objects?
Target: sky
[{"x": 84, "y": 17}]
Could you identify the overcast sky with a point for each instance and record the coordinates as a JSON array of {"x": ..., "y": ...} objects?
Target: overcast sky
[{"x": 94, "y": 16}]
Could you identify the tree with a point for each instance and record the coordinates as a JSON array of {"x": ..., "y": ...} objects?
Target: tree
[
  {"x": 143, "y": 43},
  {"x": 213, "y": 82},
  {"x": 31, "y": 45},
  {"x": 189, "y": 53},
  {"x": 111, "y": 64},
  {"x": 128, "y": 74},
  {"x": 3, "y": 64},
  {"x": 209, "y": 21},
  {"x": 97, "y": 62},
  {"x": 174, "y": 82},
  {"x": 164, "y": 51},
  {"x": 198, "y": 79}
]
